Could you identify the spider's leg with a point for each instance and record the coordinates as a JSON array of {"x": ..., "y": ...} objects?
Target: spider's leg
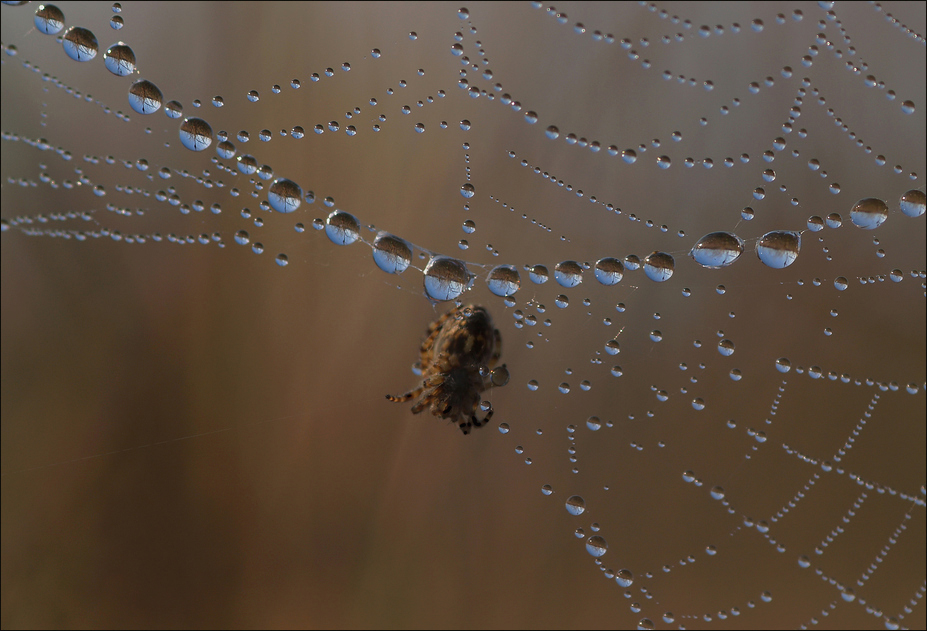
[
  {"x": 405, "y": 397},
  {"x": 497, "y": 348}
]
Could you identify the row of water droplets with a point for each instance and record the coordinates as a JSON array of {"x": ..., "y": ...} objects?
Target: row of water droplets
[{"x": 445, "y": 278}]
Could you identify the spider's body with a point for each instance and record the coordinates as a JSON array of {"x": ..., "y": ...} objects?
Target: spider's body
[{"x": 457, "y": 355}]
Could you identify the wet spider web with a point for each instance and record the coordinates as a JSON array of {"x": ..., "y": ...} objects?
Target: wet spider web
[{"x": 716, "y": 408}]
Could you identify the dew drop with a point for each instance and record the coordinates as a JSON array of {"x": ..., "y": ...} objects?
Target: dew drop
[
  {"x": 726, "y": 347},
  {"x": 468, "y": 190},
  {"x": 282, "y": 260},
  {"x": 778, "y": 249},
  {"x": 913, "y": 203},
  {"x": 576, "y": 505},
  {"x": 342, "y": 228},
  {"x": 907, "y": 107},
  {"x": 717, "y": 249},
  {"x": 284, "y": 195},
  {"x": 840, "y": 283},
  {"x": 609, "y": 271},
  {"x": 120, "y": 60},
  {"x": 552, "y": 132},
  {"x": 596, "y": 546},
  {"x": 80, "y": 44},
  {"x": 49, "y": 19},
  {"x": 869, "y": 213},
  {"x": 391, "y": 254},
  {"x": 568, "y": 273},
  {"x": 783, "y": 364},
  {"x": 659, "y": 266},
  {"x": 446, "y": 278},
  {"x": 145, "y": 97},
  {"x": 195, "y": 134},
  {"x": 538, "y": 274},
  {"x": 503, "y": 280}
]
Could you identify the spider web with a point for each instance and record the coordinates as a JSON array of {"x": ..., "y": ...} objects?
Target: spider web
[{"x": 194, "y": 429}]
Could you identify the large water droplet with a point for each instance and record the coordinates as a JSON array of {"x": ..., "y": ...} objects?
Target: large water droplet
[
  {"x": 284, "y": 195},
  {"x": 342, "y": 228},
  {"x": 120, "y": 60},
  {"x": 80, "y": 44},
  {"x": 659, "y": 266},
  {"x": 195, "y": 134},
  {"x": 538, "y": 274},
  {"x": 609, "y": 271},
  {"x": 446, "y": 278},
  {"x": 779, "y": 249},
  {"x": 869, "y": 213},
  {"x": 596, "y": 546},
  {"x": 391, "y": 254},
  {"x": 145, "y": 97},
  {"x": 568, "y": 273},
  {"x": 49, "y": 19},
  {"x": 503, "y": 280},
  {"x": 576, "y": 505},
  {"x": 717, "y": 249},
  {"x": 913, "y": 203}
]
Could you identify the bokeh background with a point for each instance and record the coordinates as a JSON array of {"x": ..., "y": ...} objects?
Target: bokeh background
[{"x": 195, "y": 436}]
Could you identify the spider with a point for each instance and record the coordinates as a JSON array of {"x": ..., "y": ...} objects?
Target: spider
[{"x": 461, "y": 348}]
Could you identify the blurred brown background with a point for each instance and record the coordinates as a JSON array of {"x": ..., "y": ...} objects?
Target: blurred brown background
[{"x": 194, "y": 436}]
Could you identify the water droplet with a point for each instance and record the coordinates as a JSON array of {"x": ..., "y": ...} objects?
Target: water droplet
[
  {"x": 531, "y": 117},
  {"x": 783, "y": 364},
  {"x": 717, "y": 493},
  {"x": 145, "y": 97},
  {"x": 834, "y": 220},
  {"x": 284, "y": 195},
  {"x": 913, "y": 203},
  {"x": 504, "y": 428},
  {"x": 195, "y": 134},
  {"x": 117, "y": 22},
  {"x": 254, "y": 96},
  {"x": 446, "y": 278},
  {"x": 576, "y": 505},
  {"x": 907, "y": 107},
  {"x": 629, "y": 156},
  {"x": 726, "y": 347},
  {"x": 659, "y": 266},
  {"x": 538, "y": 274},
  {"x": 49, "y": 19},
  {"x": 499, "y": 376},
  {"x": 664, "y": 162},
  {"x": 468, "y": 190},
  {"x": 594, "y": 423},
  {"x": 173, "y": 109},
  {"x": 282, "y": 260},
  {"x": 547, "y": 489},
  {"x": 778, "y": 249},
  {"x": 568, "y": 273},
  {"x": 840, "y": 283},
  {"x": 596, "y": 546},
  {"x": 624, "y": 578},
  {"x": 391, "y": 254},
  {"x": 609, "y": 271},
  {"x": 698, "y": 404},
  {"x": 503, "y": 280},
  {"x": 717, "y": 249},
  {"x": 869, "y": 213},
  {"x": 80, "y": 44},
  {"x": 120, "y": 60},
  {"x": 552, "y": 132},
  {"x": 342, "y": 228}
]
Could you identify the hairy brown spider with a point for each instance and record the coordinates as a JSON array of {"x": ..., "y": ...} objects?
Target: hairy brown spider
[{"x": 461, "y": 348}]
